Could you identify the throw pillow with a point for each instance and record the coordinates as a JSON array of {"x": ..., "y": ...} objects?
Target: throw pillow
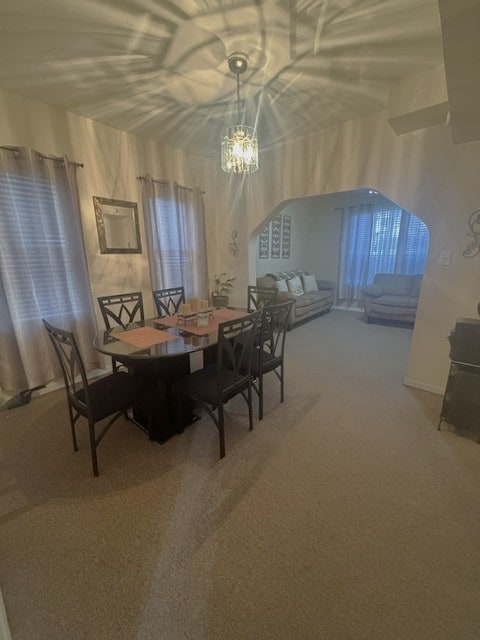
[
  {"x": 309, "y": 283},
  {"x": 281, "y": 285},
  {"x": 295, "y": 286}
]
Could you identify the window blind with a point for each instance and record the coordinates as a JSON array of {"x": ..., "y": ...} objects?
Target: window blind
[{"x": 36, "y": 261}]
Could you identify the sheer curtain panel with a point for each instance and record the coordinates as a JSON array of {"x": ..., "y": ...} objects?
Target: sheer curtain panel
[
  {"x": 176, "y": 236},
  {"x": 355, "y": 239},
  {"x": 43, "y": 272}
]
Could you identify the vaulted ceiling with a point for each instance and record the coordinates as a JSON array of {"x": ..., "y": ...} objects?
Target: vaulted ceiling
[{"x": 158, "y": 68}]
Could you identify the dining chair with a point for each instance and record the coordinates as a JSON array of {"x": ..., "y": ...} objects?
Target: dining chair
[
  {"x": 217, "y": 383},
  {"x": 259, "y": 297},
  {"x": 168, "y": 301},
  {"x": 120, "y": 310},
  {"x": 108, "y": 397},
  {"x": 268, "y": 355}
]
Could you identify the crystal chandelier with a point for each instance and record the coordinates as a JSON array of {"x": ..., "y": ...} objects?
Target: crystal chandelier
[{"x": 239, "y": 142}]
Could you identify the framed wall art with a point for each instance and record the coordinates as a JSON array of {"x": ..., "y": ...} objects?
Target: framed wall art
[
  {"x": 264, "y": 242},
  {"x": 286, "y": 235},
  {"x": 275, "y": 249},
  {"x": 117, "y": 225}
]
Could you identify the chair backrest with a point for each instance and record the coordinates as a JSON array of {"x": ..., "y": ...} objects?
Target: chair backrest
[
  {"x": 259, "y": 297},
  {"x": 234, "y": 351},
  {"x": 71, "y": 363},
  {"x": 122, "y": 309},
  {"x": 168, "y": 301},
  {"x": 274, "y": 325}
]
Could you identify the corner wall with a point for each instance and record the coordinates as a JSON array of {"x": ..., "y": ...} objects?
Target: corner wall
[{"x": 422, "y": 171}]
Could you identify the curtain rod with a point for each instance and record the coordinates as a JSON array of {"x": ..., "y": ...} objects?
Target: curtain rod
[
  {"x": 75, "y": 164},
  {"x": 43, "y": 155},
  {"x": 166, "y": 183}
]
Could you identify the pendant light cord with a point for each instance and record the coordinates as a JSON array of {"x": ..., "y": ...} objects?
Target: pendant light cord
[{"x": 238, "y": 97}]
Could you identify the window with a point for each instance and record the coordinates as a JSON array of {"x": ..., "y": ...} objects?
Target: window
[
  {"x": 38, "y": 267},
  {"x": 384, "y": 241},
  {"x": 43, "y": 272},
  {"x": 176, "y": 246},
  {"x": 176, "y": 237}
]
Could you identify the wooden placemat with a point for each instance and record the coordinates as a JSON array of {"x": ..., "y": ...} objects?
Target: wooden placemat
[
  {"x": 223, "y": 314},
  {"x": 191, "y": 327},
  {"x": 144, "y": 337}
]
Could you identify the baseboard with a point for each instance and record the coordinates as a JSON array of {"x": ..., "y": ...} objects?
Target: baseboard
[
  {"x": 4, "y": 628},
  {"x": 425, "y": 387}
]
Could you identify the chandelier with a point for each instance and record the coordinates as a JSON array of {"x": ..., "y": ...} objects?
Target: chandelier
[{"x": 239, "y": 142}]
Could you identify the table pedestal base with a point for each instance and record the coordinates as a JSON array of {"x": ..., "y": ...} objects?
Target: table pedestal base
[{"x": 155, "y": 406}]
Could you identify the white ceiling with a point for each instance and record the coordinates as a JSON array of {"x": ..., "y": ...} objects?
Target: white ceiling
[{"x": 158, "y": 68}]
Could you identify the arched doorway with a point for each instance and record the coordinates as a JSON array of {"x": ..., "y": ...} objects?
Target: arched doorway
[{"x": 306, "y": 233}]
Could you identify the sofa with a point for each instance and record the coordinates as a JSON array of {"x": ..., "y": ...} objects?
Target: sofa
[
  {"x": 310, "y": 296},
  {"x": 392, "y": 296}
]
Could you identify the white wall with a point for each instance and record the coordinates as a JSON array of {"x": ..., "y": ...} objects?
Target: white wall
[
  {"x": 299, "y": 245},
  {"x": 422, "y": 171}
]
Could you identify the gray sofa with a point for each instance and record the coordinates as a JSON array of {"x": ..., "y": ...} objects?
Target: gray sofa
[
  {"x": 314, "y": 298},
  {"x": 392, "y": 296}
]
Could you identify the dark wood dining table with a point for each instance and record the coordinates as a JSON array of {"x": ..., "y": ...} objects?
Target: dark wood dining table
[{"x": 156, "y": 353}]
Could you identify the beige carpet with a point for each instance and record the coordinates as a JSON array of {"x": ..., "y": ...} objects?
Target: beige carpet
[{"x": 343, "y": 515}]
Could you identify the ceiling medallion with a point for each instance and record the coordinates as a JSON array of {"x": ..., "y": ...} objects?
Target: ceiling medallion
[{"x": 239, "y": 142}]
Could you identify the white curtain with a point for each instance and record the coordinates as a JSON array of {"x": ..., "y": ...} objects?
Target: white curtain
[
  {"x": 388, "y": 240},
  {"x": 356, "y": 235},
  {"x": 43, "y": 272},
  {"x": 176, "y": 236}
]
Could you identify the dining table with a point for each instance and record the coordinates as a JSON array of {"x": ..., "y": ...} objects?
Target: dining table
[{"x": 157, "y": 353}]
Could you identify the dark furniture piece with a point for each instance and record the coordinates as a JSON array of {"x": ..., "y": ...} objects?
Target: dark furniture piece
[
  {"x": 219, "y": 382},
  {"x": 168, "y": 301},
  {"x": 461, "y": 401},
  {"x": 259, "y": 297},
  {"x": 110, "y": 396},
  {"x": 120, "y": 310},
  {"x": 269, "y": 354},
  {"x": 392, "y": 296},
  {"x": 155, "y": 369}
]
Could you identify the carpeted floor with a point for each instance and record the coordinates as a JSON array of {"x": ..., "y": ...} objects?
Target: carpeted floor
[{"x": 344, "y": 515}]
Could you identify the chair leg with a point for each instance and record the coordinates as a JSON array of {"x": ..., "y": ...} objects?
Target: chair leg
[
  {"x": 260, "y": 397},
  {"x": 72, "y": 427},
  {"x": 250, "y": 407},
  {"x": 281, "y": 383},
  {"x": 93, "y": 447},
  {"x": 221, "y": 429}
]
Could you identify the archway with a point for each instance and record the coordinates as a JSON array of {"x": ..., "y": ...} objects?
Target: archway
[{"x": 314, "y": 225}]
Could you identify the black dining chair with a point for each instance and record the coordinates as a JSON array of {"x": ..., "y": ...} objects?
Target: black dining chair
[
  {"x": 230, "y": 375},
  {"x": 259, "y": 297},
  {"x": 120, "y": 310},
  {"x": 268, "y": 355},
  {"x": 108, "y": 397},
  {"x": 168, "y": 301}
]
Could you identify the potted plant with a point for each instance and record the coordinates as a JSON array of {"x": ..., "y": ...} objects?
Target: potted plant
[{"x": 222, "y": 286}]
